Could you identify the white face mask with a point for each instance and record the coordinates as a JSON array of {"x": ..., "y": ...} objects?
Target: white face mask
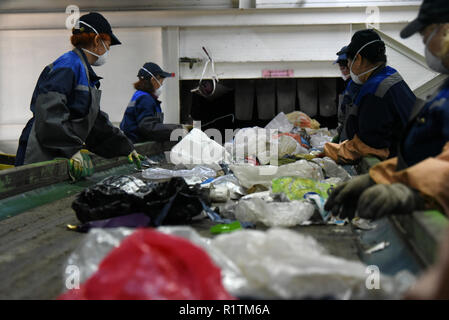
[
  {"x": 434, "y": 62},
  {"x": 101, "y": 59},
  {"x": 355, "y": 77},
  {"x": 158, "y": 91},
  {"x": 345, "y": 76}
]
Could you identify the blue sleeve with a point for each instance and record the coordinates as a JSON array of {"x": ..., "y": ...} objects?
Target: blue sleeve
[
  {"x": 145, "y": 107},
  {"x": 403, "y": 99},
  {"x": 59, "y": 80}
]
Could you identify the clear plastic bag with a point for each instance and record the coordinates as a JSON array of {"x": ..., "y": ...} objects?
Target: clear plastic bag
[
  {"x": 193, "y": 176},
  {"x": 251, "y": 142},
  {"x": 274, "y": 214},
  {"x": 277, "y": 264},
  {"x": 280, "y": 123},
  {"x": 230, "y": 182},
  {"x": 332, "y": 169},
  {"x": 250, "y": 175},
  {"x": 283, "y": 264},
  {"x": 196, "y": 148}
]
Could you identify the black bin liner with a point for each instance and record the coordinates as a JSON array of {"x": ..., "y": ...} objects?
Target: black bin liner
[{"x": 172, "y": 202}]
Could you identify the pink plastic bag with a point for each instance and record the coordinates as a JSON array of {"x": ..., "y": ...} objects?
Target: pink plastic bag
[{"x": 152, "y": 265}]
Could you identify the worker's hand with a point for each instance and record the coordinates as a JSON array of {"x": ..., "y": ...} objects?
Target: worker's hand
[
  {"x": 382, "y": 200},
  {"x": 187, "y": 127},
  {"x": 80, "y": 166},
  {"x": 136, "y": 158},
  {"x": 343, "y": 200}
]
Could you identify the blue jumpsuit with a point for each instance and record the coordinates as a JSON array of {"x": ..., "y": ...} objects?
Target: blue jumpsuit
[{"x": 143, "y": 119}]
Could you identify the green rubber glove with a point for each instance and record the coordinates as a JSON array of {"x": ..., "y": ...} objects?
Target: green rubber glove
[
  {"x": 80, "y": 166},
  {"x": 136, "y": 158},
  {"x": 343, "y": 201},
  {"x": 382, "y": 200}
]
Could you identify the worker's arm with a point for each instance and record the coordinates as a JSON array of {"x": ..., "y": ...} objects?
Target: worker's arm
[
  {"x": 107, "y": 140},
  {"x": 350, "y": 151},
  {"x": 56, "y": 129},
  {"x": 430, "y": 177},
  {"x": 150, "y": 124},
  {"x": 375, "y": 127}
]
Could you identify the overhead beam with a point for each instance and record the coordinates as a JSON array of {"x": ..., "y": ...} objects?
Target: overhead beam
[{"x": 225, "y": 17}]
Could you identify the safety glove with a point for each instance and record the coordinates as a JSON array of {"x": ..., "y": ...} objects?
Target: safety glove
[
  {"x": 342, "y": 201},
  {"x": 80, "y": 165},
  {"x": 381, "y": 200},
  {"x": 136, "y": 158}
]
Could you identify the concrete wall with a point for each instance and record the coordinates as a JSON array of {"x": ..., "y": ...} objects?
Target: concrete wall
[{"x": 24, "y": 54}]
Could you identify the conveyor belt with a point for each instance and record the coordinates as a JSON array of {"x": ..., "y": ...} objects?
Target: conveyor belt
[{"x": 34, "y": 241}]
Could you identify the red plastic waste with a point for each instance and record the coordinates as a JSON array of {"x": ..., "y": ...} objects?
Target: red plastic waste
[{"x": 150, "y": 265}]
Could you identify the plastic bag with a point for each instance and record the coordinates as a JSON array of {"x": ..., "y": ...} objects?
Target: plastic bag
[
  {"x": 266, "y": 265},
  {"x": 99, "y": 242},
  {"x": 296, "y": 188},
  {"x": 280, "y": 123},
  {"x": 253, "y": 143},
  {"x": 196, "y": 148},
  {"x": 288, "y": 145},
  {"x": 302, "y": 120},
  {"x": 230, "y": 182},
  {"x": 274, "y": 214},
  {"x": 285, "y": 264},
  {"x": 151, "y": 265},
  {"x": 249, "y": 175},
  {"x": 172, "y": 202},
  {"x": 332, "y": 169},
  {"x": 193, "y": 176}
]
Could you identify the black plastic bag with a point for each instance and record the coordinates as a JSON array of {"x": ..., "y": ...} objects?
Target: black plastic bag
[{"x": 172, "y": 202}]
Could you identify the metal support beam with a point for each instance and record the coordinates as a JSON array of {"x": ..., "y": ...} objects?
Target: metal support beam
[
  {"x": 225, "y": 17},
  {"x": 170, "y": 53}
]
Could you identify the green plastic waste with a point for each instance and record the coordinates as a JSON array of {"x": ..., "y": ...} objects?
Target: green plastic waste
[
  {"x": 295, "y": 188},
  {"x": 226, "y": 228}
]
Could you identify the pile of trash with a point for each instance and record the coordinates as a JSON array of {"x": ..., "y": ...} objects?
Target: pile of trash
[
  {"x": 177, "y": 263},
  {"x": 268, "y": 177},
  {"x": 234, "y": 183}
]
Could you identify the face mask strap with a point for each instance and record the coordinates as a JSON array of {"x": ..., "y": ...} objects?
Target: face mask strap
[
  {"x": 144, "y": 69},
  {"x": 96, "y": 34},
  {"x": 360, "y": 50}
]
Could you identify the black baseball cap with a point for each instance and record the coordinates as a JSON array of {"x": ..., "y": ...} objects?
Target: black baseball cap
[
  {"x": 92, "y": 22},
  {"x": 155, "y": 70},
  {"x": 432, "y": 11},
  {"x": 361, "y": 38},
  {"x": 342, "y": 55}
]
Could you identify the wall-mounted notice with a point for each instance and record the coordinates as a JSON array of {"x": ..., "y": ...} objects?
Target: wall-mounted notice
[{"x": 277, "y": 73}]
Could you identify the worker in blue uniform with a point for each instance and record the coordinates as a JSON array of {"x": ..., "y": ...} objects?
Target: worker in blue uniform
[
  {"x": 143, "y": 119},
  {"x": 347, "y": 96},
  {"x": 66, "y": 105},
  {"x": 376, "y": 119},
  {"x": 418, "y": 178}
]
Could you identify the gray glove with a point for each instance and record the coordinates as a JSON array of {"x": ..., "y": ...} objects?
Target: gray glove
[
  {"x": 381, "y": 200},
  {"x": 343, "y": 201}
]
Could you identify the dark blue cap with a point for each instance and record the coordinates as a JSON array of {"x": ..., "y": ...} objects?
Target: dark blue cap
[
  {"x": 96, "y": 23},
  {"x": 432, "y": 11},
  {"x": 342, "y": 55},
  {"x": 155, "y": 70}
]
